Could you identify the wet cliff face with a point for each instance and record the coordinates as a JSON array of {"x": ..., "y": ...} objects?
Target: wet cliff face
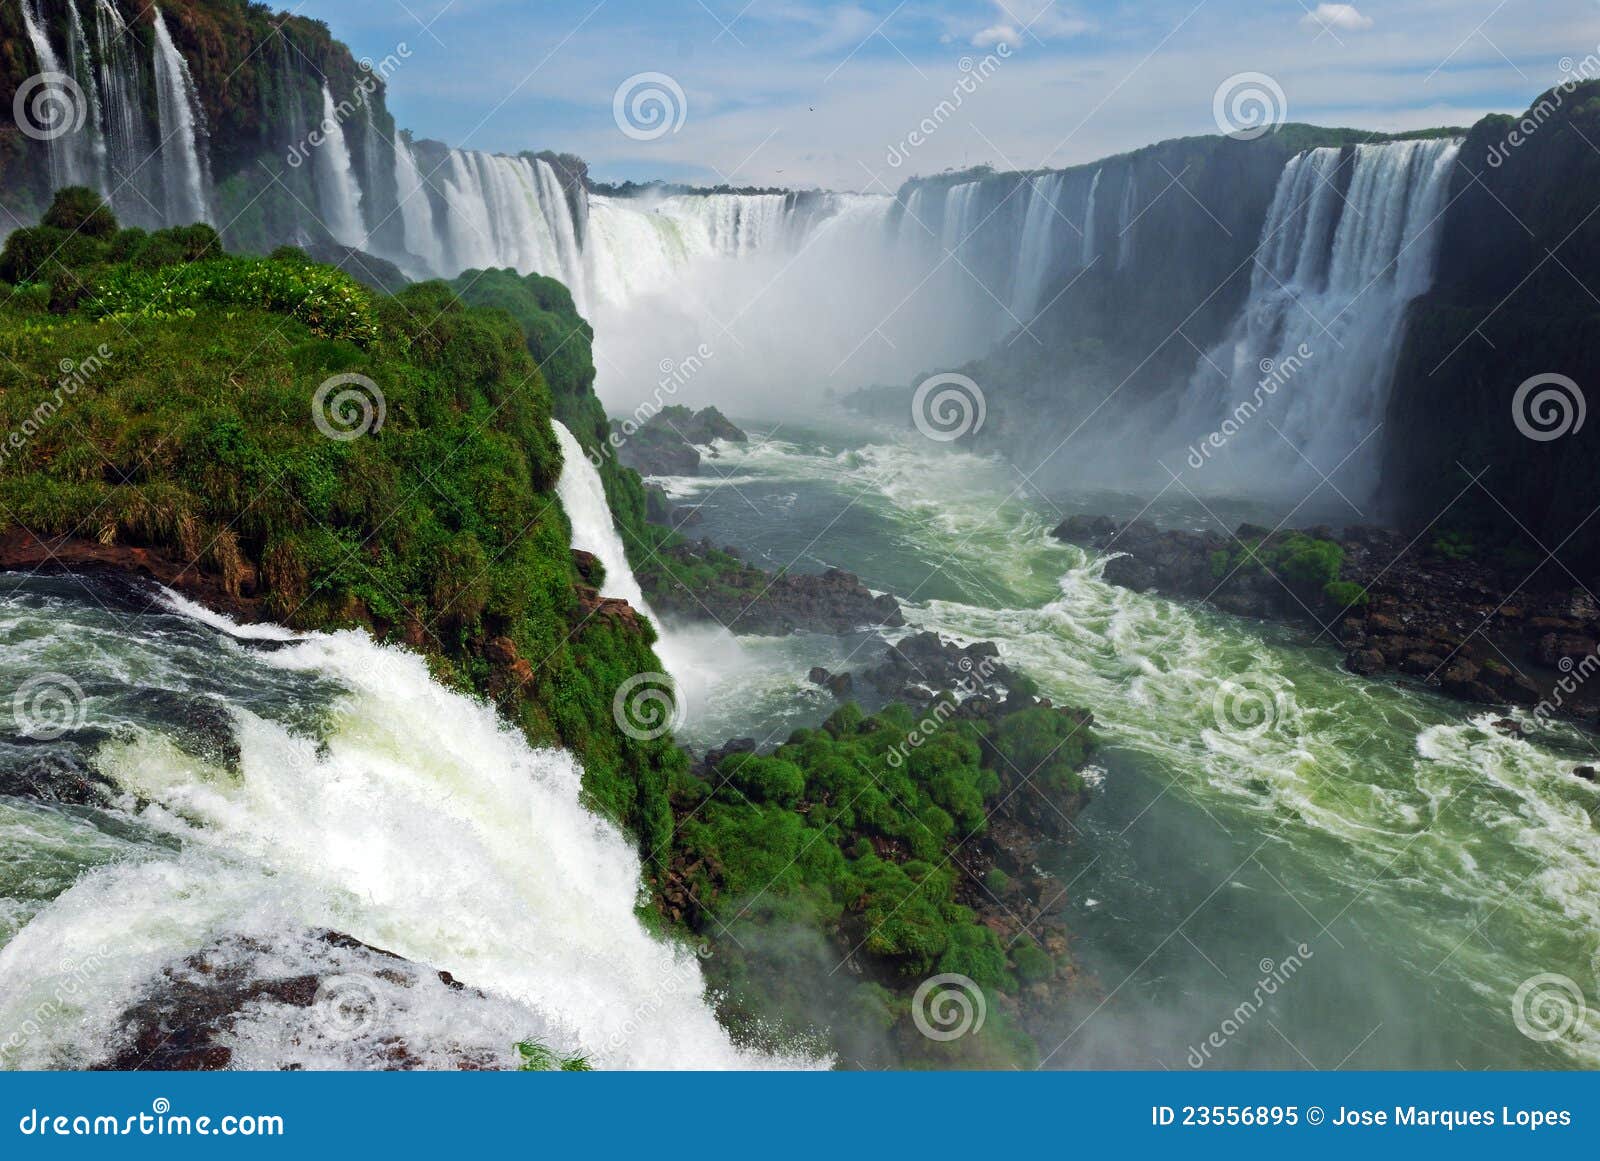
[
  {"x": 240, "y": 91},
  {"x": 1515, "y": 302}
]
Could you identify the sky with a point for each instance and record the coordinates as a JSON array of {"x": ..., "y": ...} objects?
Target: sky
[{"x": 803, "y": 93}]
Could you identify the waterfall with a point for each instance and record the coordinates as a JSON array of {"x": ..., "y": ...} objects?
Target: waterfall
[
  {"x": 1125, "y": 221},
  {"x": 133, "y": 175},
  {"x": 583, "y": 495},
  {"x": 1090, "y": 246},
  {"x": 338, "y": 191},
  {"x": 93, "y": 140},
  {"x": 366, "y": 798},
  {"x": 1312, "y": 351},
  {"x": 185, "y": 164},
  {"x": 553, "y": 203},
  {"x": 959, "y": 202},
  {"x": 416, "y": 210},
  {"x": 71, "y": 153},
  {"x": 1034, "y": 252}
]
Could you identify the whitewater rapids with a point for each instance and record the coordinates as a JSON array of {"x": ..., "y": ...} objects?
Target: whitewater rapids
[{"x": 366, "y": 799}]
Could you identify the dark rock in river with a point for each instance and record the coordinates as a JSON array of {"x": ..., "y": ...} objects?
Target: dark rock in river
[
  {"x": 669, "y": 443},
  {"x": 1400, "y": 604},
  {"x": 343, "y": 998}
]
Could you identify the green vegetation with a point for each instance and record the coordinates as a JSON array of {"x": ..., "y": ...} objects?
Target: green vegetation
[
  {"x": 533, "y": 1056},
  {"x": 195, "y": 434},
  {"x": 1309, "y": 564},
  {"x": 853, "y": 829},
  {"x": 160, "y": 394},
  {"x": 1454, "y": 545}
]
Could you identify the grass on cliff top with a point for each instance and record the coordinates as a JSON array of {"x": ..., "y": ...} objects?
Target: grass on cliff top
[{"x": 157, "y": 392}]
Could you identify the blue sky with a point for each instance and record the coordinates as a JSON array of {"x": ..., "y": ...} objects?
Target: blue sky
[{"x": 802, "y": 92}]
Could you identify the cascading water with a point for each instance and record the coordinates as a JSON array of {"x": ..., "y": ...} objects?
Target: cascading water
[
  {"x": 1091, "y": 246},
  {"x": 352, "y": 794},
  {"x": 416, "y": 210},
  {"x": 583, "y": 496},
  {"x": 959, "y": 205},
  {"x": 338, "y": 191},
  {"x": 693, "y": 664},
  {"x": 93, "y": 141},
  {"x": 133, "y": 176},
  {"x": 1035, "y": 251},
  {"x": 71, "y": 153},
  {"x": 185, "y": 155},
  {"x": 1126, "y": 220},
  {"x": 1312, "y": 352}
]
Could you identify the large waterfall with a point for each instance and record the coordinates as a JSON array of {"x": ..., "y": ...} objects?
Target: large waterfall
[
  {"x": 185, "y": 163},
  {"x": 361, "y": 797},
  {"x": 339, "y": 193},
  {"x": 1298, "y": 387},
  {"x": 153, "y": 174}
]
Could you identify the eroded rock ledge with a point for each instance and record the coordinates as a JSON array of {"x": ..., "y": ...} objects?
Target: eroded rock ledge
[{"x": 1474, "y": 629}]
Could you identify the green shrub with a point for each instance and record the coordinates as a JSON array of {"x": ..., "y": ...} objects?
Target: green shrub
[
  {"x": 77, "y": 208},
  {"x": 1345, "y": 594}
]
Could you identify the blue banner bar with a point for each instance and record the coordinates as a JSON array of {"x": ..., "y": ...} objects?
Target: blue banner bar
[{"x": 953, "y": 1114}]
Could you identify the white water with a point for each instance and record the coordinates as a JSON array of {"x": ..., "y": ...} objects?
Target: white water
[
  {"x": 126, "y": 127},
  {"x": 1335, "y": 272},
  {"x": 416, "y": 211},
  {"x": 1126, "y": 220},
  {"x": 185, "y": 166},
  {"x": 1090, "y": 240},
  {"x": 583, "y": 495},
  {"x": 70, "y": 163},
  {"x": 1451, "y": 860},
  {"x": 1035, "y": 251},
  {"x": 412, "y": 818},
  {"x": 338, "y": 191}
]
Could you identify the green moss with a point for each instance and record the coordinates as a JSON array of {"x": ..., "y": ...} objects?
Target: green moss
[
  {"x": 1305, "y": 562},
  {"x": 1345, "y": 594},
  {"x": 849, "y": 829}
]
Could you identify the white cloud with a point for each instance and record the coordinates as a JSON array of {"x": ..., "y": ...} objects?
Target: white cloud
[
  {"x": 997, "y": 34},
  {"x": 1343, "y": 17}
]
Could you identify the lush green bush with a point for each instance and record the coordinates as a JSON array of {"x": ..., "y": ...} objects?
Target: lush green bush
[
  {"x": 329, "y": 302},
  {"x": 1345, "y": 594},
  {"x": 851, "y": 828},
  {"x": 1306, "y": 562}
]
